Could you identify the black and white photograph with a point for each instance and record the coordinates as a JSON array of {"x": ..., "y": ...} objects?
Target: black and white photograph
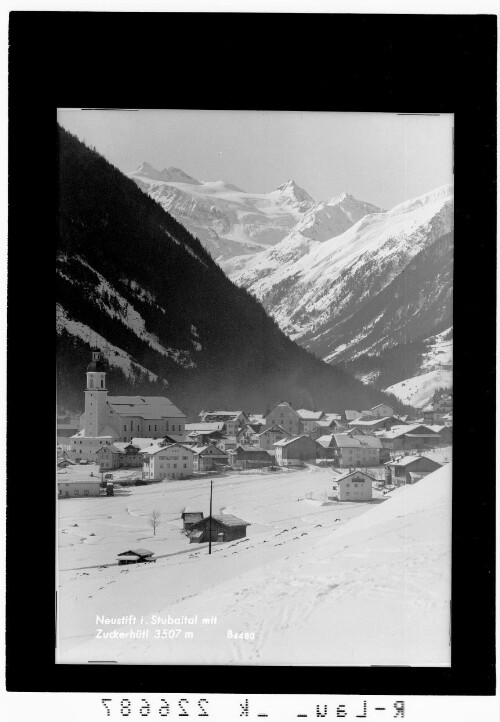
[{"x": 254, "y": 387}]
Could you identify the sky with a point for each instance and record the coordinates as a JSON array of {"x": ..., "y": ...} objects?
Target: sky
[{"x": 380, "y": 158}]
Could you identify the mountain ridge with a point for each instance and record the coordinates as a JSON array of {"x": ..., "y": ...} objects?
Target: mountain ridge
[{"x": 130, "y": 273}]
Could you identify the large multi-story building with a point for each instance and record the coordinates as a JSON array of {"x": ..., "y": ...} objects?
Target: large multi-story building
[{"x": 120, "y": 418}]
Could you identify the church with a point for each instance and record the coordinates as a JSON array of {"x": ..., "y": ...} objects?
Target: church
[{"x": 120, "y": 418}]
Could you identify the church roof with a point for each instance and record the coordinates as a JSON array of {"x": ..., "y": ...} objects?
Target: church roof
[{"x": 146, "y": 407}]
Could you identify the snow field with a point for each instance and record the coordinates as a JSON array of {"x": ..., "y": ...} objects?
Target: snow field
[{"x": 369, "y": 588}]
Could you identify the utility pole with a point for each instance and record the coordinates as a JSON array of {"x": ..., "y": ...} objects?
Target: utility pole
[{"x": 210, "y": 520}]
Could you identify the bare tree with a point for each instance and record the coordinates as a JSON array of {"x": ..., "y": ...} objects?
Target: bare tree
[{"x": 154, "y": 520}]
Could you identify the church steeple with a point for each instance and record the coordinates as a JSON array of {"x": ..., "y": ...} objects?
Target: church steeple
[
  {"x": 96, "y": 371},
  {"x": 96, "y": 393}
]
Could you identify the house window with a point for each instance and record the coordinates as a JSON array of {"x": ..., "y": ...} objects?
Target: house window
[
  {"x": 85, "y": 492},
  {"x": 185, "y": 466},
  {"x": 102, "y": 384},
  {"x": 75, "y": 492},
  {"x": 131, "y": 428}
]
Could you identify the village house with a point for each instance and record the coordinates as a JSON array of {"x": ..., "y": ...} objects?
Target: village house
[
  {"x": 326, "y": 446},
  {"x": 247, "y": 435},
  {"x": 203, "y": 433},
  {"x": 233, "y": 420},
  {"x": 108, "y": 419},
  {"x": 257, "y": 421},
  {"x": 380, "y": 410},
  {"x": 409, "y": 437},
  {"x": 367, "y": 424},
  {"x": 440, "y": 405},
  {"x": 218, "y": 528},
  {"x": 268, "y": 437},
  {"x": 447, "y": 419},
  {"x": 330, "y": 423},
  {"x": 189, "y": 518},
  {"x": 250, "y": 457},
  {"x": 167, "y": 461},
  {"x": 310, "y": 420},
  {"x": 350, "y": 415},
  {"x": 409, "y": 469},
  {"x": 445, "y": 433},
  {"x": 119, "y": 455},
  {"x": 135, "y": 556},
  {"x": 353, "y": 486},
  {"x": 227, "y": 443},
  {"x": 352, "y": 450},
  {"x": 208, "y": 458},
  {"x": 71, "y": 488},
  {"x": 285, "y": 416},
  {"x": 295, "y": 451}
]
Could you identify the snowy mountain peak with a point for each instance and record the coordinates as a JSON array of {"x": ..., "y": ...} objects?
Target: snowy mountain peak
[
  {"x": 292, "y": 194},
  {"x": 338, "y": 199},
  {"x": 177, "y": 175},
  {"x": 172, "y": 175},
  {"x": 146, "y": 169},
  {"x": 290, "y": 183}
]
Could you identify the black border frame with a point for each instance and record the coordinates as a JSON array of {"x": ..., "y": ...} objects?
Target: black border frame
[{"x": 388, "y": 63}]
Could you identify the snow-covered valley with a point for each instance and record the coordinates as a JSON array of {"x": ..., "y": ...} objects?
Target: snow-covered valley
[{"x": 314, "y": 582}]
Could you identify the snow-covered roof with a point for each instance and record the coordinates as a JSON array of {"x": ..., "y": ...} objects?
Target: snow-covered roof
[
  {"x": 253, "y": 449},
  {"x": 330, "y": 416},
  {"x": 145, "y": 407},
  {"x": 155, "y": 448},
  {"x": 406, "y": 460},
  {"x": 142, "y": 442},
  {"x": 204, "y": 427},
  {"x": 325, "y": 441},
  {"x": 221, "y": 415},
  {"x": 137, "y": 552},
  {"x": 227, "y": 520},
  {"x": 285, "y": 442},
  {"x": 352, "y": 415},
  {"x": 78, "y": 480},
  {"x": 81, "y": 434},
  {"x": 275, "y": 428},
  {"x": 351, "y": 473},
  {"x": 348, "y": 440},
  {"x": 370, "y": 422},
  {"x": 284, "y": 404},
  {"x": 403, "y": 430},
  {"x": 201, "y": 449},
  {"x": 307, "y": 415}
]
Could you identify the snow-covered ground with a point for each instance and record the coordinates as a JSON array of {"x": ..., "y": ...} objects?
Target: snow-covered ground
[
  {"x": 437, "y": 365},
  {"x": 314, "y": 582},
  {"x": 419, "y": 390}
]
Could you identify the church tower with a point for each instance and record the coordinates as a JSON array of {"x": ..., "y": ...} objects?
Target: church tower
[{"x": 96, "y": 393}]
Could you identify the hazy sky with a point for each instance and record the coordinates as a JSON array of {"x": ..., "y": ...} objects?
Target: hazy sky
[{"x": 380, "y": 158}]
